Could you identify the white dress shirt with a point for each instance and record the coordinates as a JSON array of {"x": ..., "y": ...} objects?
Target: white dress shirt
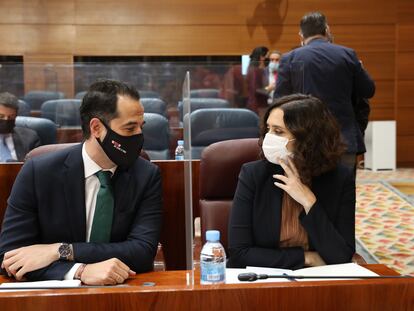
[
  {"x": 92, "y": 186},
  {"x": 8, "y": 138}
]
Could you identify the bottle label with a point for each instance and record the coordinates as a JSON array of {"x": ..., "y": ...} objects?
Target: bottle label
[
  {"x": 179, "y": 157},
  {"x": 213, "y": 272}
]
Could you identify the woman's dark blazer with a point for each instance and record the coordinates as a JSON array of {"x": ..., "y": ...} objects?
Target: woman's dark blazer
[{"x": 254, "y": 227}]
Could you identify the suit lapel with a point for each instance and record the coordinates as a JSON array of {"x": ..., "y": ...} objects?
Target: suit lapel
[
  {"x": 18, "y": 146},
  {"x": 273, "y": 205},
  {"x": 74, "y": 191},
  {"x": 123, "y": 192}
]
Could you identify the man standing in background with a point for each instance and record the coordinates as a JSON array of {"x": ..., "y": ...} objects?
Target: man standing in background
[{"x": 331, "y": 72}]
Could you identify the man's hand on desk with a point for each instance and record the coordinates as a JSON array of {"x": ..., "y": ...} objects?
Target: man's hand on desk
[
  {"x": 29, "y": 258},
  {"x": 108, "y": 272}
]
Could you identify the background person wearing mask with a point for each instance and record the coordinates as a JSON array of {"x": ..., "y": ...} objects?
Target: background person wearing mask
[
  {"x": 273, "y": 68},
  {"x": 15, "y": 142},
  {"x": 296, "y": 206},
  {"x": 330, "y": 72},
  {"x": 92, "y": 211}
]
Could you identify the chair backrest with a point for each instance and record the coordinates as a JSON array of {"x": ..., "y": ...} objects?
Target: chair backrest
[
  {"x": 24, "y": 109},
  {"x": 148, "y": 94},
  {"x": 203, "y": 103},
  {"x": 35, "y": 99},
  {"x": 205, "y": 93},
  {"x": 80, "y": 95},
  {"x": 156, "y": 136},
  {"x": 45, "y": 129},
  {"x": 56, "y": 147},
  {"x": 62, "y": 111},
  {"x": 212, "y": 125},
  {"x": 219, "y": 170},
  {"x": 154, "y": 105}
]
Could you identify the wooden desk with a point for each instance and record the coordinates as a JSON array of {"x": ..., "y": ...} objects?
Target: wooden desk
[{"x": 172, "y": 293}]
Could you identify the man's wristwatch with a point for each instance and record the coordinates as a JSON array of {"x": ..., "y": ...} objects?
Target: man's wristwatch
[{"x": 65, "y": 251}]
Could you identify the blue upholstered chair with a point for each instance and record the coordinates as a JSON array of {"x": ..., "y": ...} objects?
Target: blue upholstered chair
[
  {"x": 156, "y": 136},
  {"x": 35, "y": 99},
  {"x": 80, "y": 95},
  {"x": 154, "y": 105},
  {"x": 64, "y": 112},
  {"x": 24, "y": 108},
  {"x": 212, "y": 125},
  {"x": 148, "y": 94},
  {"x": 205, "y": 93},
  {"x": 45, "y": 129},
  {"x": 203, "y": 103}
]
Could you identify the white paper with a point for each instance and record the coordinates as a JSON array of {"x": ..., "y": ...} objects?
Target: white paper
[
  {"x": 42, "y": 284},
  {"x": 347, "y": 269}
]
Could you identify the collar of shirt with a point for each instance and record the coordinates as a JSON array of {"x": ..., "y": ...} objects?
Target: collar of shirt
[{"x": 90, "y": 166}]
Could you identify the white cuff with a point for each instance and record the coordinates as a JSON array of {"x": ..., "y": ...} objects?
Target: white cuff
[{"x": 71, "y": 273}]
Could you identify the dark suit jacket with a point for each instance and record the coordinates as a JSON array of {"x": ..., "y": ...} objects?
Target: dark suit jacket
[
  {"x": 47, "y": 205},
  {"x": 254, "y": 227},
  {"x": 332, "y": 73},
  {"x": 24, "y": 140}
]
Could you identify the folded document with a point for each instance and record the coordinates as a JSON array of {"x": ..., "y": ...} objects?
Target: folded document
[{"x": 347, "y": 269}]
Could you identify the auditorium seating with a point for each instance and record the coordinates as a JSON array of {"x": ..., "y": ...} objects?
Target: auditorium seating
[
  {"x": 212, "y": 125},
  {"x": 64, "y": 112},
  {"x": 156, "y": 136},
  {"x": 45, "y": 129},
  {"x": 35, "y": 99}
]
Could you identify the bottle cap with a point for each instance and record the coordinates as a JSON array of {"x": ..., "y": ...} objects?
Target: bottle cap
[
  {"x": 180, "y": 142},
  {"x": 213, "y": 235}
]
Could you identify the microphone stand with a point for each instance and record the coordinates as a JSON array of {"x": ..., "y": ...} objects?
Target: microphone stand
[{"x": 251, "y": 277}]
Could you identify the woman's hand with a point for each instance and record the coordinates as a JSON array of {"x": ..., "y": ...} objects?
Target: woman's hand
[
  {"x": 292, "y": 184},
  {"x": 313, "y": 259}
]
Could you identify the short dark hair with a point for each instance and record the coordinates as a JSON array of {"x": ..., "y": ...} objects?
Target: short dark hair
[
  {"x": 313, "y": 24},
  {"x": 100, "y": 101},
  {"x": 318, "y": 142},
  {"x": 257, "y": 53},
  {"x": 9, "y": 100}
]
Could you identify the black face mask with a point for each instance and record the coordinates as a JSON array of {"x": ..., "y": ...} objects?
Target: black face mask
[
  {"x": 7, "y": 126},
  {"x": 122, "y": 150}
]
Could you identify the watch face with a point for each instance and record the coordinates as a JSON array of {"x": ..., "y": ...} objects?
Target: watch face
[{"x": 64, "y": 251}]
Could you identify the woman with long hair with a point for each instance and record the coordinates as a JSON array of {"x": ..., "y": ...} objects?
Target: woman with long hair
[{"x": 296, "y": 206}]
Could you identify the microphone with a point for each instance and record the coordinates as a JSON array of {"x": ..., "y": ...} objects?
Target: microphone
[{"x": 251, "y": 277}]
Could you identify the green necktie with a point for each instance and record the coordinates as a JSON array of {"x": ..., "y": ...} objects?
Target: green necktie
[{"x": 102, "y": 219}]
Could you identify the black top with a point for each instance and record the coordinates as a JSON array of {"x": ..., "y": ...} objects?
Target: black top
[{"x": 254, "y": 228}]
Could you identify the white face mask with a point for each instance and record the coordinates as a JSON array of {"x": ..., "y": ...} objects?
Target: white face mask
[{"x": 274, "y": 147}]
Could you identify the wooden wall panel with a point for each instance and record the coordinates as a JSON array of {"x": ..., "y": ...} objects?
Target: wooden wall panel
[
  {"x": 58, "y": 76},
  {"x": 405, "y": 121},
  {"x": 406, "y": 93},
  {"x": 230, "y": 12},
  {"x": 406, "y": 37},
  {"x": 405, "y": 66},
  {"x": 405, "y": 148}
]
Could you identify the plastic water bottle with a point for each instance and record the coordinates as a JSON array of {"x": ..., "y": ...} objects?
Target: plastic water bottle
[
  {"x": 213, "y": 260},
  {"x": 179, "y": 151}
]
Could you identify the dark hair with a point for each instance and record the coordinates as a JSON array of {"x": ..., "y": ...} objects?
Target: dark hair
[
  {"x": 9, "y": 100},
  {"x": 313, "y": 24},
  {"x": 256, "y": 54},
  {"x": 100, "y": 101},
  {"x": 318, "y": 143}
]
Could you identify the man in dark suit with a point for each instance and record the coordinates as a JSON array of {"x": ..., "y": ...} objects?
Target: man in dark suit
[
  {"x": 15, "y": 141},
  {"x": 331, "y": 72},
  {"x": 90, "y": 212}
]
